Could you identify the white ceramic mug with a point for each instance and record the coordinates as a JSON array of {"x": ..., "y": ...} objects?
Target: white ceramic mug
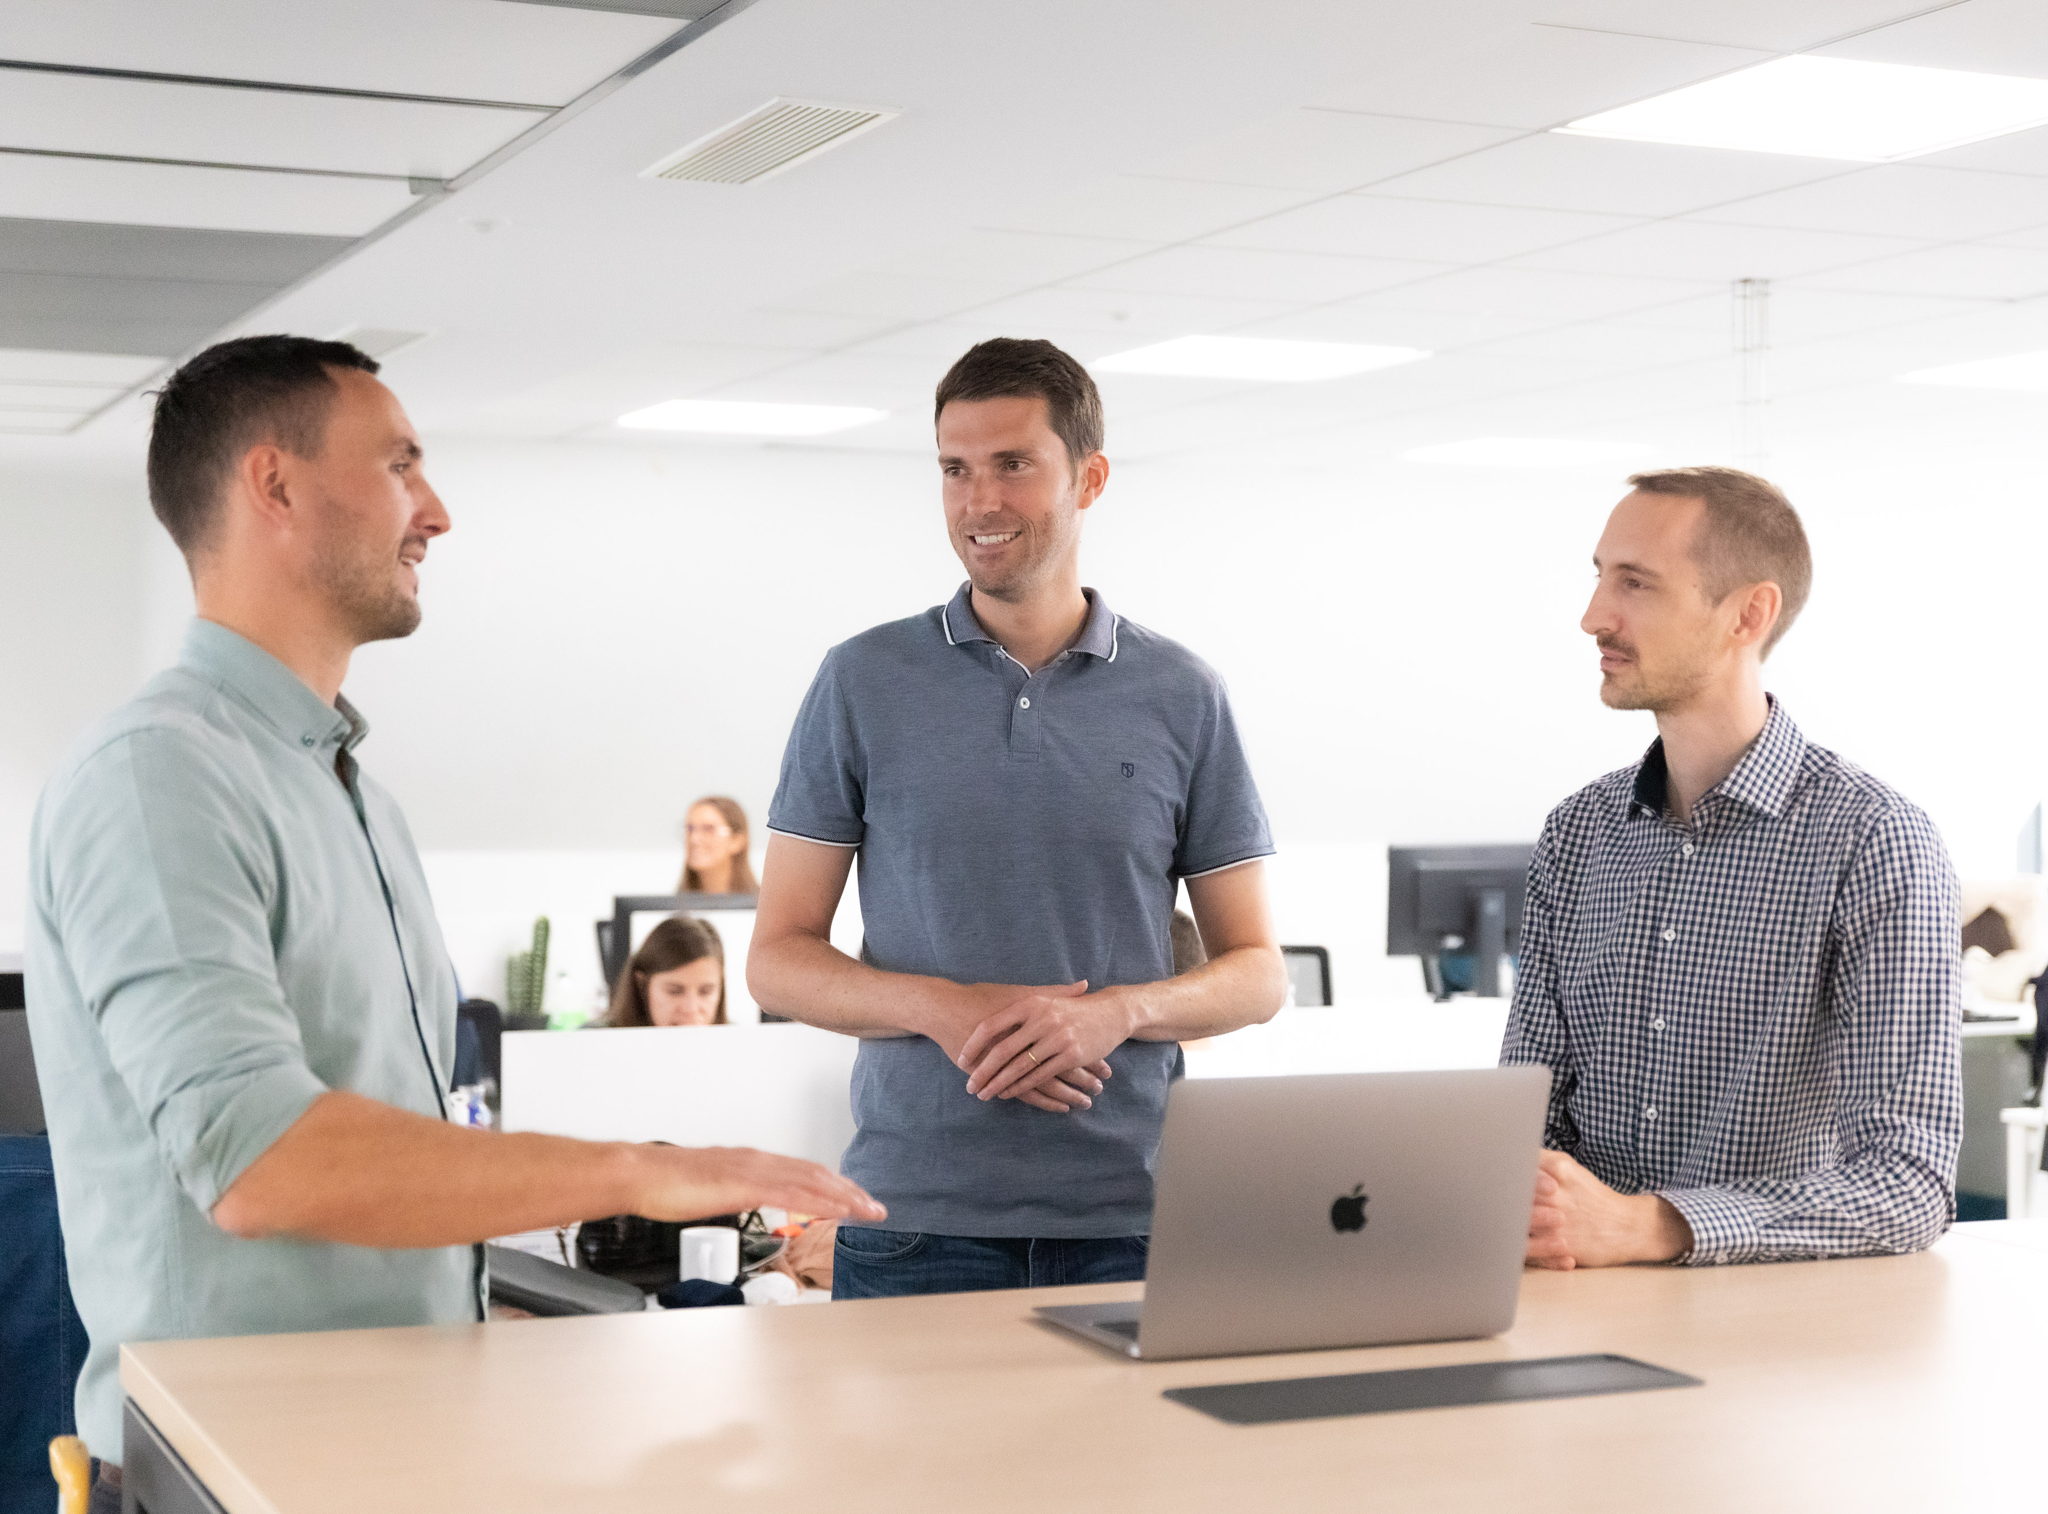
[{"x": 711, "y": 1252}]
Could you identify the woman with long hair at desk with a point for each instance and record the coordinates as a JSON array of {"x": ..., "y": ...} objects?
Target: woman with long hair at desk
[
  {"x": 715, "y": 843},
  {"x": 677, "y": 977}
]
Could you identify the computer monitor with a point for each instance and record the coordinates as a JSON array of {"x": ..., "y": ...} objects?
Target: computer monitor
[
  {"x": 731, "y": 915},
  {"x": 1456, "y": 900}
]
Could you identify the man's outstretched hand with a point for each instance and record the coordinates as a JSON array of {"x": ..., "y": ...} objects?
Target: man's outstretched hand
[{"x": 1578, "y": 1221}]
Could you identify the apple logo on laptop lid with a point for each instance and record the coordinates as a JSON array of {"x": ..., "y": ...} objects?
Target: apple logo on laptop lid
[{"x": 1348, "y": 1213}]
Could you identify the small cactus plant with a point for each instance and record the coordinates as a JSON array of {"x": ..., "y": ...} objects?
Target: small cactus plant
[{"x": 526, "y": 976}]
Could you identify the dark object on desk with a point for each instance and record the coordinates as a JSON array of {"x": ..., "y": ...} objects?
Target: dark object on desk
[
  {"x": 1308, "y": 975},
  {"x": 1991, "y": 931},
  {"x": 13, "y": 991},
  {"x": 42, "y": 1343},
  {"x": 698, "y": 1293},
  {"x": 21, "y": 1102},
  {"x": 539, "y": 1286},
  {"x": 479, "y": 1041},
  {"x": 1456, "y": 899},
  {"x": 1279, "y": 1400}
]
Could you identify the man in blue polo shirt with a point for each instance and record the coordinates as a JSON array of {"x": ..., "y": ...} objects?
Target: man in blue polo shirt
[{"x": 1027, "y": 778}]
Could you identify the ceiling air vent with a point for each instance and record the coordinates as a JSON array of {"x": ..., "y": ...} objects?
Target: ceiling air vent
[{"x": 781, "y": 134}]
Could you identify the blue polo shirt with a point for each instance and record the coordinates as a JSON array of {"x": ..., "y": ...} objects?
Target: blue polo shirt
[{"x": 1016, "y": 828}]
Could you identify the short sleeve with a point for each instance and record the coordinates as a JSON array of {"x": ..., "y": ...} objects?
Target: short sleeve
[
  {"x": 1224, "y": 822},
  {"x": 822, "y": 792},
  {"x": 157, "y": 883}
]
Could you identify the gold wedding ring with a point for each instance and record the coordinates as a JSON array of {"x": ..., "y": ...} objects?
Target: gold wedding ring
[{"x": 1031, "y": 1054}]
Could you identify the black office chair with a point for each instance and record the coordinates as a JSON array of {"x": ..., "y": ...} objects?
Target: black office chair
[{"x": 479, "y": 1042}]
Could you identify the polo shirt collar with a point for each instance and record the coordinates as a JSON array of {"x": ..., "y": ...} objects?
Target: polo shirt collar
[
  {"x": 278, "y": 696},
  {"x": 1098, "y": 636},
  {"x": 1761, "y": 781}
]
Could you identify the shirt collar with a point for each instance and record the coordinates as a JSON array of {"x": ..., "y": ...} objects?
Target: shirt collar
[
  {"x": 1098, "y": 636},
  {"x": 278, "y": 696},
  {"x": 1761, "y": 781}
]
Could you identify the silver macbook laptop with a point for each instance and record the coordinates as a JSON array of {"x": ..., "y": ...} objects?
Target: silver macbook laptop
[{"x": 1359, "y": 1209}]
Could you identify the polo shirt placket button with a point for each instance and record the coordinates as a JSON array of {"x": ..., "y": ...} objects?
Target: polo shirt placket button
[{"x": 1024, "y": 703}]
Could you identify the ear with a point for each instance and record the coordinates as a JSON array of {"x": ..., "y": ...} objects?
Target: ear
[
  {"x": 262, "y": 483},
  {"x": 1761, "y": 604},
  {"x": 1094, "y": 473}
]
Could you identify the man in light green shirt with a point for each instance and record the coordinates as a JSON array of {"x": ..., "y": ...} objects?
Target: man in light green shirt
[{"x": 242, "y": 1012}]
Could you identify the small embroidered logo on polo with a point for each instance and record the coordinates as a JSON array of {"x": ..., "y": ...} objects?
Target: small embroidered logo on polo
[{"x": 1130, "y": 770}]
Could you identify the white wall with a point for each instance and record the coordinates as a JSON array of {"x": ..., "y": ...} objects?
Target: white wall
[
  {"x": 70, "y": 579},
  {"x": 614, "y": 629}
]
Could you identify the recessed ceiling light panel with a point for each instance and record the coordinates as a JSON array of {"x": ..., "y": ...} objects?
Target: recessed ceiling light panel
[
  {"x": 749, "y": 418},
  {"x": 2025, "y": 371},
  {"x": 1831, "y": 108},
  {"x": 1526, "y": 452},
  {"x": 1257, "y": 359}
]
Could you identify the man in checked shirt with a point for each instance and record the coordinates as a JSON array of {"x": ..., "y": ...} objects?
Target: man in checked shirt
[{"x": 1740, "y": 957}]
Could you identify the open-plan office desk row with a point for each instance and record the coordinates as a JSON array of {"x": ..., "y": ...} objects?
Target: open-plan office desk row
[{"x": 1910, "y": 1383}]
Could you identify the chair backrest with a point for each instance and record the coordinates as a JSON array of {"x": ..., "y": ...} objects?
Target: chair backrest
[
  {"x": 42, "y": 1342},
  {"x": 1308, "y": 974}
]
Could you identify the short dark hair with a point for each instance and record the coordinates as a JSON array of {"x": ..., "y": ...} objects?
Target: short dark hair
[
  {"x": 231, "y": 397},
  {"x": 1008, "y": 367},
  {"x": 1750, "y": 534}
]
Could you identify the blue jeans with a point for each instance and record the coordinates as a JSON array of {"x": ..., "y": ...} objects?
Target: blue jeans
[{"x": 870, "y": 1263}]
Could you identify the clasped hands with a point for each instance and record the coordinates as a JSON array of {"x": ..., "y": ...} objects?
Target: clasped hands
[
  {"x": 1578, "y": 1221},
  {"x": 1046, "y": 1047}
]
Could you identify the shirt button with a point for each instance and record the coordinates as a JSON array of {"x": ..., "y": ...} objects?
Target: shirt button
[
  {"x": 1650, "y": 1113},
  {"x": 1024, "y": 703},
  {"x": 1656, "y": 1025},
  {"x": 1670, "y": 935},
  {"x": 1686, "y": 850},
  {"x": 305, "y": 741}
]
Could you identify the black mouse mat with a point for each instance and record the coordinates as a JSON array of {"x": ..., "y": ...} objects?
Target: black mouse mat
[{"x": 1511, "y": 1382}]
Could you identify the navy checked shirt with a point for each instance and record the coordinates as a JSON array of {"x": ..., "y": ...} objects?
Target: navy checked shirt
[{"x": 1756, "y": 1017}]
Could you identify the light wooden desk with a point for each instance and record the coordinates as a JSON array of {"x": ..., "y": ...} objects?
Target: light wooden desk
[{"x": 1910, "y": 1384}]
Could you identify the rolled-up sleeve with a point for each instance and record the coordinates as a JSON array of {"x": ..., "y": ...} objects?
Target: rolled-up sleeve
[
  {"x": 1895, "y": 1009},
  {"x": 164, "y": 877}
]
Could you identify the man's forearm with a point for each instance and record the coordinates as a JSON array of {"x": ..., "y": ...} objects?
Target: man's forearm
[
  {"x": 805, "y": 978},
  {"x": 1245, "y": 986},
  {"x": 388, "y": 1177},
  {"x": 361, "y": 1173}
]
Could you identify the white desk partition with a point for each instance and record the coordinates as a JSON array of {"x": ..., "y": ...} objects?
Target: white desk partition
[
  {"x": 1397, "y": 1036},
  {"x": 778, "y": 1087},
  {"x": 784, "y": 1087}
]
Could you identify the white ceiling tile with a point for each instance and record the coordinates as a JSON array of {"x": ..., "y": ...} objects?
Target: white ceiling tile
[
  {"x": 1382, "y": 323},
  {"x": 897, "y": 296},
  {"x": 1020, "y": 258},
  {"x": 68, "y": 397},
  {"x": 811, "y": 329},
  {"x": 1434, "y": 231},
  {"x": 1148, "y": 209},
  {"x": 1984, "y": 36},
  {"x": 2015, "y": 152},
  {"x": 1976, "y": 271},
  {"x": 255, "y": 127},
  {"x": 1799, "y": 312},
  {"x": 843, "y": 378},
  {"x": 1900, "y": 200},
  {"x": 1122, "y": 313},
  {"x": 1694, "y": 249},
  {"x": 222, "y": 199},
  {"x": 1610, "y": 346},
  {"x": 627, "y": 381},
  {"x": 38, "y": 422},
  {"x": 1526, "y": 293},
  {"x": 1539, "y": 76},
  {"x": 2032, "y": 236},
  {"x": 1597, "y": 174},
  {"x": 23, "y": 366},
  {"x": 1324, "y": 150},
  {"x": 1242, "y": 272},
  {"x": 461, "y": 49},
  {"x": 1126, "y": 396},
  {"x": 1768, "y": 24}
]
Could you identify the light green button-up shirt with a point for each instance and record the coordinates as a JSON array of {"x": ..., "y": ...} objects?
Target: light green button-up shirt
[{"x": 226, "y": 921}]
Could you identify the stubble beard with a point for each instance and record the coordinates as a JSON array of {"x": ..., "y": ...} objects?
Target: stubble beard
[
  {"x": 367, "y": 594},
  {"x": 1657, "y": 693}
]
